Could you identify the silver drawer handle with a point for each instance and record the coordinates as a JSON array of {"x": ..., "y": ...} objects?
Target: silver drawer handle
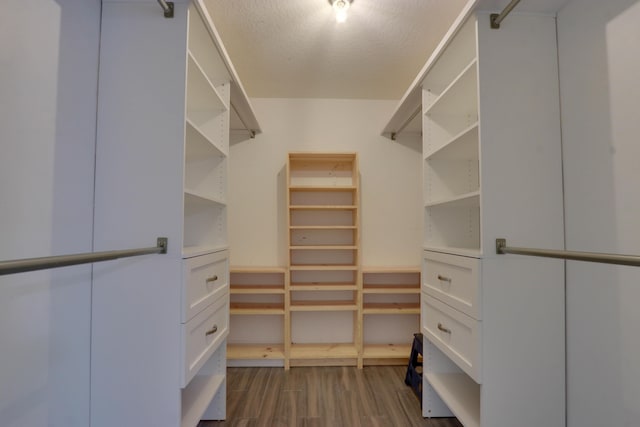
[
  {"x": 443, "y": 329},
  {"x": 444, "y": 278},
  {"x": 212, "y": 330},
  {"x": 212, "y": 279}
]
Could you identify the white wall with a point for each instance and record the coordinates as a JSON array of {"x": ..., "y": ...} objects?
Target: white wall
[
  {"x": 600, "y": 97},
  {"x": 391, "y": 221},
  {"x": 48, "y": 65}
]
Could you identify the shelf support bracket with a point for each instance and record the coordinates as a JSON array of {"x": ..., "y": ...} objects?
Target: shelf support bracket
[
  {"x": 496, "y": 18},
  {"x": 167, "y": 7}
]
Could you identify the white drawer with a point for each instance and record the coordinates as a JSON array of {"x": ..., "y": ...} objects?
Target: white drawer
[
  {"x": 206, "y": 277},
  {"x": 202, "y": 335},
  {"x": 453, "y": 332},
  {"x": 454, "y": 280}
]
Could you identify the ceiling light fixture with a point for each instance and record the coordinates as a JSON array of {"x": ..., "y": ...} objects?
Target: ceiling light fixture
[{"x": 340, "y": 7}]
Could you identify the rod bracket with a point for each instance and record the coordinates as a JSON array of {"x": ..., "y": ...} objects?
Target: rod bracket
[
  {"x": 163, "y": 243},
  {"x": 500, "y": 243},
  {"x": 493, "y": 18},
  {"x": 393, "y": 136},
  {"x": 167, "y": 7}
]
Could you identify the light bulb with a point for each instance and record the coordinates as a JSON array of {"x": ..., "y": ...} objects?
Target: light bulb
[{"x": 341, "y": 6}]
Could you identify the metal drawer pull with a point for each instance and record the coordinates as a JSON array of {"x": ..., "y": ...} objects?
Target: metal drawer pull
[
  {"x": 443, "y": 329},
  {"x": 212, "y": 330},
  {"x": 212, "y": 279},
  {"x": 444, "y": 278}
]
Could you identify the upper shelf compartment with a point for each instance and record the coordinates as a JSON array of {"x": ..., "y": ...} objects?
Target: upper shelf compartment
[
  {"x": 322, "y": 172},
  {"x": 244, "y": 123}
]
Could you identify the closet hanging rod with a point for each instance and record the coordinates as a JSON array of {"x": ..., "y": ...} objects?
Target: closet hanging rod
[
  {"x": 252, "y": 133},
  {"x": 633, "y": 260},
  {"x": 167, "y": 7},
  {"x": 406, "y": 123},
  {"x": 33, "y": 264},
  {"x": 496, "y": 18}
]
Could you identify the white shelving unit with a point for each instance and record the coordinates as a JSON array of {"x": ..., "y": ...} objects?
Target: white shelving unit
[
  {"x": 493, "y": 325},
  {"x": 160, "y": 324}
]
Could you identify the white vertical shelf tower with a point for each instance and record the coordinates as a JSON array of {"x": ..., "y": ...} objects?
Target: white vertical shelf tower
[
  {"x": 159, "y": 324},
  {"x": 494, "y": 347}
]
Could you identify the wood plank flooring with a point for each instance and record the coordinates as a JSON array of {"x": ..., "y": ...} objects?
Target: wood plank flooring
[{"x": 375, "y": 396}]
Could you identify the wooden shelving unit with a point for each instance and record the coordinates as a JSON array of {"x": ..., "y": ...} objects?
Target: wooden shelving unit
[
  {"x": 390, "y": 313},
  {"x": 324, "y": 255},
  {"x": 259, "y": 313}
]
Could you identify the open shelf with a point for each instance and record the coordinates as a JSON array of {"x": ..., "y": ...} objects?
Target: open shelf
[
  {"x": 323, "y": 351},
  {"x": 316, "y": 286},
  {"x": 318, "y": 305},
  {"x": 471, "y": 199},
  {"x": 391, "y": 308},
  {"x": 256, "y": 289},
  {"x": 460, "y": 393},
  {"x": 199, "y": 198},
  {"x": 250, "y": 308},
  {"x": 391, "y": 289},
  {"x": 386, "y": 351},
  {"x": 464, "y": 145},
  {"x": 255, "y": 351},
  {"x": 460, "y": 96},
  {"x": 201, "y": 93},
  {"x": 197, "y": 396}
]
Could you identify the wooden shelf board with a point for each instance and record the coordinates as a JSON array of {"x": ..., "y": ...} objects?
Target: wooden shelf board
[
  {"x": 323, "y": 287},
  {"x": 460, "y": 393},
  {"x": 323, "y": 247},
  {"x": 256, "y": 308},
  {"x": 266, "y": 270},
  {"x": 321, "y": 157},
  {"x": 407, "y": 270},
  {"x": 197, "y": 396},
  {"x": 318, "y": 305},
  {"x": 391, "y": 289},
  {"x": 323, "y": 267},
  {"x": 323, "y": 227},
  {"x": 256, "y": 289},
  {"x": 323, "y": 188},
  {"x": 391, "y": 308},
  {"x": 320, "y": 351},
  {"x": 324, "y": 207},
  {"x": 386, "y": 351},
  {"x": 255, "y": 351}
]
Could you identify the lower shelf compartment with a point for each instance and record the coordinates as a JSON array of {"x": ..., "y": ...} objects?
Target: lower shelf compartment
[
  {"x": 386, "y": 354},
  {"x": 255, "y": 351},
  {"x": 324, "y": 351},
  {"x": 197, "y": 397},
  {"x": 460, "y": 393}
]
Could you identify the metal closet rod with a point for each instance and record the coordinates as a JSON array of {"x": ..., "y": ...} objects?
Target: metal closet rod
[
  {"x": 632, "y": 260},
  {"x": 496, "y": 18},
  {"x": 252, "y": 133},
  {"x": 405, "y": 123},
  {"x": 33, "y": 264}
]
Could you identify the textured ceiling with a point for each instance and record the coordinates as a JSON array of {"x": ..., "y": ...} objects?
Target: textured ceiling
[{"x": 296, "y": 49}]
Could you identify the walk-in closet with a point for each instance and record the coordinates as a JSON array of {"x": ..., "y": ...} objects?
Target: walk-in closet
[{"x": 319, "y": 213}]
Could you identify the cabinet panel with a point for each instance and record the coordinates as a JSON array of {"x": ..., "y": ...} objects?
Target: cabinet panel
[
  {"x": 455, "y": 333},
  {"x": 201, "y": 336},
  {"x": 205, "y": 278},
  {"x": 454, "y": 280}
]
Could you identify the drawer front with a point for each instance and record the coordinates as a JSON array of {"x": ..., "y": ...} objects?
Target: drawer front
[
  {"x": 202, "y": 336},
  {"x": 454, "y": 280},
  {"x": 453, "y": 332},
  {"x": 206, "y": 277}
]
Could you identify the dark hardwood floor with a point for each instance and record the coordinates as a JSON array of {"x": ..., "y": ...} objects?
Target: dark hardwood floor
[{"x": 323, "y": 397}]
